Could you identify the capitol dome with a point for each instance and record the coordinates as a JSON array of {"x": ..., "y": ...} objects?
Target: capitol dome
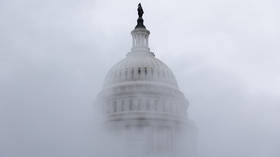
[
  {"x": 141, "y": 100},
  {"x": 142, "y": 86}
]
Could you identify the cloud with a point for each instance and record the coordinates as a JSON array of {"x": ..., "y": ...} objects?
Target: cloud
[{"x": 55, "y": 54}]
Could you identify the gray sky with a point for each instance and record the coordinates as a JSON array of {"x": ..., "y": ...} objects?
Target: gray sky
[{"x": 54, "y": 56}]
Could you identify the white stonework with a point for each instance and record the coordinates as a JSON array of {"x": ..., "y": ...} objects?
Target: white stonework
[{"x": 143, "y": 104}]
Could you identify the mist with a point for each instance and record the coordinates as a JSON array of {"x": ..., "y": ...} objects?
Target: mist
[{"x": 54, "y": 56}]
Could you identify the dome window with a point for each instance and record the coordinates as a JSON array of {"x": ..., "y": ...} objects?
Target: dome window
[
  {"x": 146, "y": 71},
  {"x": 139, "y": 70}
]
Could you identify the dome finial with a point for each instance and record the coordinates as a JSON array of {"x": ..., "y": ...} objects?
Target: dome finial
[
  {"x": 140, "y": 21},
  {"x": 140, "y": 10}
]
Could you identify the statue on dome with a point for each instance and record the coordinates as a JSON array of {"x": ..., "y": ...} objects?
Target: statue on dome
[
  {"x": 140, "y": 21},
  {"x": 140, "y": 10}
]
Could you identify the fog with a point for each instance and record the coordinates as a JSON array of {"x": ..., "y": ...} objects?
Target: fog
[{"x": 55, "y": 54}]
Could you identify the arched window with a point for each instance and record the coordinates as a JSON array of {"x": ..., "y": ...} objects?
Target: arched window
[
  {"x": 139, "y": 73},
  {"x": 139, "y": 70}
]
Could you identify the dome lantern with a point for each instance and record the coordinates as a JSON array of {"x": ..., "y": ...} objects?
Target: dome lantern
[{"x": 140, "y": 35}]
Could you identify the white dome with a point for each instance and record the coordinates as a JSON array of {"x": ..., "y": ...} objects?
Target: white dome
[
  {"x": 142, "y": 103},
  {"x": 141, "y": 83},
  {"x": 142, "y": 86},
  {"x": 140, "y": 67}
]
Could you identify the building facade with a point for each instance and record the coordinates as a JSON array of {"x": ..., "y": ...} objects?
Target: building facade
[{"x": 143, "y": 105}]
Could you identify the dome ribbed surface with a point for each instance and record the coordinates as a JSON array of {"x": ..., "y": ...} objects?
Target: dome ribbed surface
[{"x": 140, "y": 68}]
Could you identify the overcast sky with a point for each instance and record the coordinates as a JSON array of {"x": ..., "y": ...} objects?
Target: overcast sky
[{"x": 55, "y": 54}]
